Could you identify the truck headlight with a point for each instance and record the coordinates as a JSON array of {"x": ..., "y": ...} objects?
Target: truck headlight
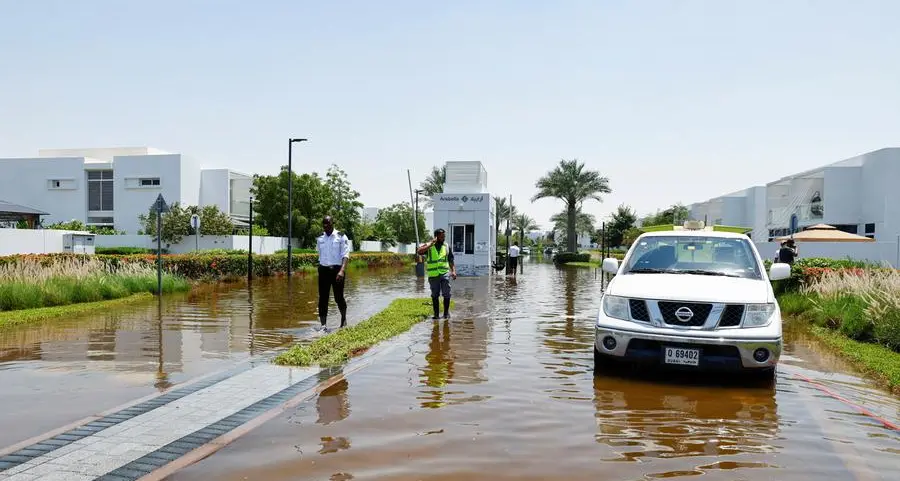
[
  {"x": 616, "y": 307},
  {"x": 758, "y": 315}
]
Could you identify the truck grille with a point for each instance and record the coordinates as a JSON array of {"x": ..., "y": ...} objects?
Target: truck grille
[
  {"x": 700, "y": 313},
  {"x": 639, "y": 310},
  {"x": 732, "y": 315}
]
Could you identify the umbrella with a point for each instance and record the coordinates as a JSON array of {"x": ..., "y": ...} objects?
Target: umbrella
[{"x": 825, "y": 233}]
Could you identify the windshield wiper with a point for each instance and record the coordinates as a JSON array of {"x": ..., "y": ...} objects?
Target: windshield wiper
[
  {"x": 649, "y": 270},
  {"x": 705, "y": 273}
]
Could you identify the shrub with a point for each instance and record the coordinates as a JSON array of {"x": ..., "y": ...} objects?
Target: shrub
[
  {"x": 564, "y": 257},
  {"x": 32, "y": 282}
]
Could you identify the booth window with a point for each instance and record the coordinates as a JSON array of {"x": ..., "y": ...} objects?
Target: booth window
[{"x": 463, "y": 239}]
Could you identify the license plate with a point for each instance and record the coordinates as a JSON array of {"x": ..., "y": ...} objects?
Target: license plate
[{"x": 682, "y": 356}]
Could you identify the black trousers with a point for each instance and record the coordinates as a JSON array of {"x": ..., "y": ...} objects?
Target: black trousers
[{"x": 327, "y": 281}]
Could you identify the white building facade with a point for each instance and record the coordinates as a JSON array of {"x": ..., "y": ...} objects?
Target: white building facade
[
  {"x": 465, "y": 210},
  {"x": 858, "y": 195},
  {"x": 113, "y": 186}
]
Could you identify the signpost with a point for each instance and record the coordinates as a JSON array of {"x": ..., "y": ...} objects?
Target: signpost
[
  {"x": 195, "y": 224},
  {"x": 160, "y": 207},
  {"x": 250, "y": 249}
]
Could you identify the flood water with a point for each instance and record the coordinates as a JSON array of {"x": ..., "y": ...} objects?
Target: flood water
[
  {"x": 503, "y": 390},
  {"x": 57, "y": 372}
]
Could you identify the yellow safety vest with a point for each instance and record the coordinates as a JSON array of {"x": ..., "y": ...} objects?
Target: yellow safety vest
[{"x": 437, "y": 263}]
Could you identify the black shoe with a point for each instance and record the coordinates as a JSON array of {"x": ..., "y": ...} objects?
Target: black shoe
[
  {"x": 343, "y": 323},
  {"x": 446, "y": 315}
]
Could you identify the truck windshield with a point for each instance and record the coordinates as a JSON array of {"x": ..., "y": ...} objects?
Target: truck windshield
[{"x": 702, "y": 255}]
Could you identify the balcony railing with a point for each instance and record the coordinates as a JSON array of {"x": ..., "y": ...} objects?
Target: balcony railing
[{"x": 812, "y": 212}]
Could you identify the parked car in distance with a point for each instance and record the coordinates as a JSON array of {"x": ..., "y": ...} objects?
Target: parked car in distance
[
  {"x": 526, "y": 251},
  {"x": 691, "y": 298}
]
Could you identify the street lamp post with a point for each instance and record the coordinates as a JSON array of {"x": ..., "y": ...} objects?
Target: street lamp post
[
  {"x": 290, "y": 202},
  {"x": 420, "y": 266}
]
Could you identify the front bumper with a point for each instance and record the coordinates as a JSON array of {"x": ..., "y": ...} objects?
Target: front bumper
[{"x": 716, "y": 353}]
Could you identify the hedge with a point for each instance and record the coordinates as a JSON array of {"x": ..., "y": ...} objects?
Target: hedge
[
  {"x": 806, "y": 269},
  {"x": 564, "y": 257},
  {"x": 204, "y": 266}
]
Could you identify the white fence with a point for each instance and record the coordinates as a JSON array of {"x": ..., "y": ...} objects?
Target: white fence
[
  {"x": 880, "y": 252},
  {"x": 261, "y": 244},
  {"x": 375, "y": 246},
  {"x": 32, "y": 241}
]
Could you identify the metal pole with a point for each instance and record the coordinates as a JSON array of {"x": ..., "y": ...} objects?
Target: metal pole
[
  {"x": 250, "y": 250},
  {"x": 159, "y": 250},
  {"x": 415, "y": 209},
  {"x": 897, "y": 265},
  {"x": 508, "y": 215},
  {"x": 290, "y": 206}
]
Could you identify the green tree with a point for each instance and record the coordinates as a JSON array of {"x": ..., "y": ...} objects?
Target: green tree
[
  {"x": 523, "y": 224},
  {"x": 572, "y": 184},
  {"x": 584, "y": 224},
  {"x": 502, "y": 211},
  {"x": 312, "y": 201},
  {"x": 620, "y": 221},
  {"x": 346, "y": 210},
  {"x": 676, "y": 214},
  {"x": 630, "y": 236},
  {"x": 433, "y": 183},
  {"x": 396, "y": 221},
  {"x": 176, "y": 223}
]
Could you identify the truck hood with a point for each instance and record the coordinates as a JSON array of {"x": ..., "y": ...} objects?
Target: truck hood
[{"x": 688, "y": 287}]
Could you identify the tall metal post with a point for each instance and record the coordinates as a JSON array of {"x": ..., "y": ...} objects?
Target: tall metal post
[
  {"x": 508, "y": 232},
  {"x": 290, "y": 202},
  {"x": 159, "y": 249},
  {"x": 250, "y": 250},
  {"x": 290, "y": 206}
]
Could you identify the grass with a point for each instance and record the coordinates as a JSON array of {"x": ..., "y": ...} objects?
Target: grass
[
  {"x": 877, "y": 361},
  {"x": 31, "y": 284},
  {"x": 581, "y": 264},
  {"x": 857, "y": 314},
  {"x": 28, "y": 316},
  {"x": 336, "y": 348}
]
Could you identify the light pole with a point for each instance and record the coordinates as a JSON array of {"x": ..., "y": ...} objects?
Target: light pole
[{"x": 290, "y": 202}]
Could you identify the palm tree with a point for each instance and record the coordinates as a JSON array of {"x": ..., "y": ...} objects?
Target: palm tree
[
  {"x": 584, "y": 223},
  {"x": 434, "y": 183},
  {"x": 572, "y": 184},
  {"x": 523, "y": 223},
  {"x": 502, "y": 212}
]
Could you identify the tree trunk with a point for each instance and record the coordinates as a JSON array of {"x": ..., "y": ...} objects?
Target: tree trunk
[{"x": 571, "y": 235}]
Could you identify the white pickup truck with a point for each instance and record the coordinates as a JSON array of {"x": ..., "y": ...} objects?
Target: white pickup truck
[{"x": 691, "y": 297}]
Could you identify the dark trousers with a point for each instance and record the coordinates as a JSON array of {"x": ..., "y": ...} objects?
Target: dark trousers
[{"x": 327, "y": 281}]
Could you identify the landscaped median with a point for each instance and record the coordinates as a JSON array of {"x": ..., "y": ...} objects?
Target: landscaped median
[
  {"x": 32, "y": 289},
  {"x": 335, "y": 348},
  {"x": 853, "y": 308}
]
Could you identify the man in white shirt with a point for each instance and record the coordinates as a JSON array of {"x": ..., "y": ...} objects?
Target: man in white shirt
[
  {"x": 514, "y": 257},
  {"x": 334, "y": 254}
]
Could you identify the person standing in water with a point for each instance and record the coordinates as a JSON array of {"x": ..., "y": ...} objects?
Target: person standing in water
[
  {"x": 439, "y": 268},
  {"x": 514, "y": 258},
  {"x": 334, "y": 254}
]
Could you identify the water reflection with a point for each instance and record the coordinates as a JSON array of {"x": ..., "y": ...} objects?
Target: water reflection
[
  {"x": 332, "y": 404},
  {"x": 665, "y": 420}
]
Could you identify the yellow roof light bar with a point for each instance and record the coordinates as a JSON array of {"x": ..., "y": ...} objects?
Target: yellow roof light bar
[{"x": 696, "y": 225}]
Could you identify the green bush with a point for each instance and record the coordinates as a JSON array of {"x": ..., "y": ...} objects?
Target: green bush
[
  {"x": 564, "y": 257},
  {"x": 61, "y": 291},
  {"x": 214, "y": 266},
  {"x": 126, "y": 250}
]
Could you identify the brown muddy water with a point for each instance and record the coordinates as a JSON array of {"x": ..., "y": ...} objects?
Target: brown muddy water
[
  {"x": 505, "y": 390},
  {"x": 60, "y": 371}
]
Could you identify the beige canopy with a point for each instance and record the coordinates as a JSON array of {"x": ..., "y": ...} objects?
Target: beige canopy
[{"x": 824, "y": 233}]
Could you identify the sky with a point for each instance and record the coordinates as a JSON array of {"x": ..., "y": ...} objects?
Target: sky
[{"x": 672, "y": 100}]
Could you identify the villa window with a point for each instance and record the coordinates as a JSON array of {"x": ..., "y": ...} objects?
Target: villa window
[{"x": 100, "y": 190}]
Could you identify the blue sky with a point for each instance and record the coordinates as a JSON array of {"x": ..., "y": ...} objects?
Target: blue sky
[{"x": 672, "y": 100}]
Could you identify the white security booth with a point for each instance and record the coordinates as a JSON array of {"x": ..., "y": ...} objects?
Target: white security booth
[{"x": 465, "y": 210}]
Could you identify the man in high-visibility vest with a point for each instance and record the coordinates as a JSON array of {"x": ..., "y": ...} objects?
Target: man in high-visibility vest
[{"x": 440, "y": 269}]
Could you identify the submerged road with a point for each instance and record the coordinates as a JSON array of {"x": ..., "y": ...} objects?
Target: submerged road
[{"x": 505, "y": 390}]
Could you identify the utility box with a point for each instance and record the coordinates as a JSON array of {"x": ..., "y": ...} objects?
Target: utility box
[{"x": 75, "y": 243}]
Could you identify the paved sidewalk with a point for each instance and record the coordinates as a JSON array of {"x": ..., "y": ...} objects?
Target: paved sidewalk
[{"x": 137, "y": 440}]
